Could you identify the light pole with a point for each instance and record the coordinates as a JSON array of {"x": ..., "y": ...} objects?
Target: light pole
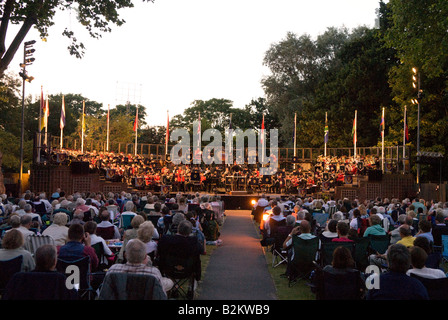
[
  {"x": 416, "y": 85},
  {"x": 27, "y": 60}
]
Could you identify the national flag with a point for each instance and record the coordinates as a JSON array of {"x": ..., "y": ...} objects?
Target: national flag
[
  {"x": 83, "y": 121},
  {"x": 325, "y": 130},
  {"x": 354, "y": 131},
  {"x": 199, "y": 130},
  {"x": 136, "y": 120},
  {"x": 262, "y": 130},
  {"x": 46, "y": 113},
  {"x": 382, "y": 124},
  {"x": 42, "y": 109},
  {"x": 62, "y": 121}
]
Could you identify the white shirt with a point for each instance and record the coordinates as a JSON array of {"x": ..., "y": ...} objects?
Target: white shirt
[
  {"x": 428, "y": 273},
  {"x": 262, "y": 202}
]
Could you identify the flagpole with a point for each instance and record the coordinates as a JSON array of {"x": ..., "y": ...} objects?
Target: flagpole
[
  {"x": 136, "y": 129},
  {"x": 108, "y": 119},
  {"x": 46, "y": 121},
  {"x": 404, "y": 141},
  {"x": 325, "y": 138},
  {"x": 263, "y": 150},
  {"x": 167, "y": 131},
  {"x": 39, "y": 141},
  {"x": 61, "y": 124},
  {"x": 355, "y": 138},
  {"x": 382, "y": 143},
  {"x": 295, "y": 139},
  {"x": 82, "y": 126}
]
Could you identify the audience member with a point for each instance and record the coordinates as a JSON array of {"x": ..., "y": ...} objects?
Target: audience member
[
  {"x": 12, "y": 247},
  {"x": 418, "y": 261},
  {"x": 395, "y": 284},
  {"x": 375, "y": 226},
  {"x": 58, "y": 229}
]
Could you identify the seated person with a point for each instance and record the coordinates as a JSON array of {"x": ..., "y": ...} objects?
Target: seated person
[
  {"x": 12, "y": 247},
  {"x": 434, "y": 258},
  {"x": 43, "y": 283},
  {"x": 90, "y": 227},
  {"x": 418, "y": 260},
  {"x": 138, "y": 262},
  {"x": 104, "y": 216},
  {"x": 375, "y": 226},
  {"x": 406, "y": 236},
  {"x": 395, "y": 284},
  {"x": 78, "y": 246},
  {"x": 342, "y": 229},
  {"x": 330, "y": 231}
]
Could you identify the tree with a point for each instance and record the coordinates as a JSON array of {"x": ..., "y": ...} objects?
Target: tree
[{"x": 96, "y": 16}]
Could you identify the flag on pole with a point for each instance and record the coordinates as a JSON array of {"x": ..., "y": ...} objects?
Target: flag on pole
[
  {"x": 42, "y": 110},
  {"x": 136, "y": 120},
  {"x": 62, "y": 121},
  {"x": 326, "y": 129},
  {"x": 46, "y": 113},
  {"x": 355, "y": 139},
  {"x": 199, "y": 130},
  {"x": 262, "y": 130},
  {"x": 108, "y": 119},
  {"x": 382, "y": 124}
]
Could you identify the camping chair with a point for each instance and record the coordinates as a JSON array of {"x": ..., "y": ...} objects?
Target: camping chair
[
  {"x": 327, "y": 249},
  {"x": 104, "y": 260},
  {"x": 279, "y": 254},
  {"x": 379, "y": 243},
  {"x": 35, "y": 241},
  {"x": 125, "y": 221},
  {"x": 129, "y": 286},
  {"x": 341, "y": 286},
  {"x": 85, "y": 289},
  {"x": 7, "y": 269},
  {"x": 361, "y": 253},
  {"x": 321, "y": 219},
  {"x": 444, "y": 248},
  {"x": 302, "y": 263},
  {"x": 437, "y": 288},
  {"x": 106, "y": 233},
  {"x": 182, "y": 271},
  {"x": 38, "y": 286}
]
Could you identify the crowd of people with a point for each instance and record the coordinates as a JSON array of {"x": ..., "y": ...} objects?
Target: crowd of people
[
  {"x": 146, "y": 173},
  {"x": 119, "y": 233},
  {"x": 412, "y": 229}
]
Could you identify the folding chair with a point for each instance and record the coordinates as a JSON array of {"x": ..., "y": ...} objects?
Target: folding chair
[
  {"x": 379, "y": 243},
  {"x": 321, "y": 219},
  {"x": 129, "y": 286},
  {"x": 444, "y": 248},
  {"x": 125, "y": 221},
  {"x": 35, "y": 241},
  {"x": 437, "y": 288},
  {"x": 327, "y": 249},
  {"x": 302, "y": 263},
  {"x": 361, "y": 253},
  {"x": 7, "y": 269},
  {"x": 181, "y": 271},
  {"x": 279, "y": 254},
  {"x": 341, "y": 286},
  {"x": 83, "y": 267}
]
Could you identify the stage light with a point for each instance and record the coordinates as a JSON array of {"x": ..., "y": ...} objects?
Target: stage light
[
  {"x": 253, "y": 202},
  {"x": 266, "y": 216}
]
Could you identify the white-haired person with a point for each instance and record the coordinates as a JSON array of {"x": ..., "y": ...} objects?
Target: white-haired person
[
  {"x": 58, "y": 230},
  {"x": 137, "y": 263}
]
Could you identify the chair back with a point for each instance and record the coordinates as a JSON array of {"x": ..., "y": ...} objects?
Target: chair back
[
  {"x": 153, "y": 219},
  {"x": 437, "y": 288},
  {"x": 361, "y": 254},
  {"x": 444, "y": 246},
  {"x": 129, "y": 286},
  {"x": 125, "y": 221},
  {"x": 327, "y": 249},
  {"x": 7, "y": 269},
  {"x": 83, "y": 265},
  {"x": 379, "y": 243},
  {"x": 343, "y": 286},
  {"x": 176, "y": 267},
  {"x": 106, "y": 233},
  {"x": 304, "y": 253},
  {"x": 34, "y": 241},
  {"x": 321, "y": 219}
]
